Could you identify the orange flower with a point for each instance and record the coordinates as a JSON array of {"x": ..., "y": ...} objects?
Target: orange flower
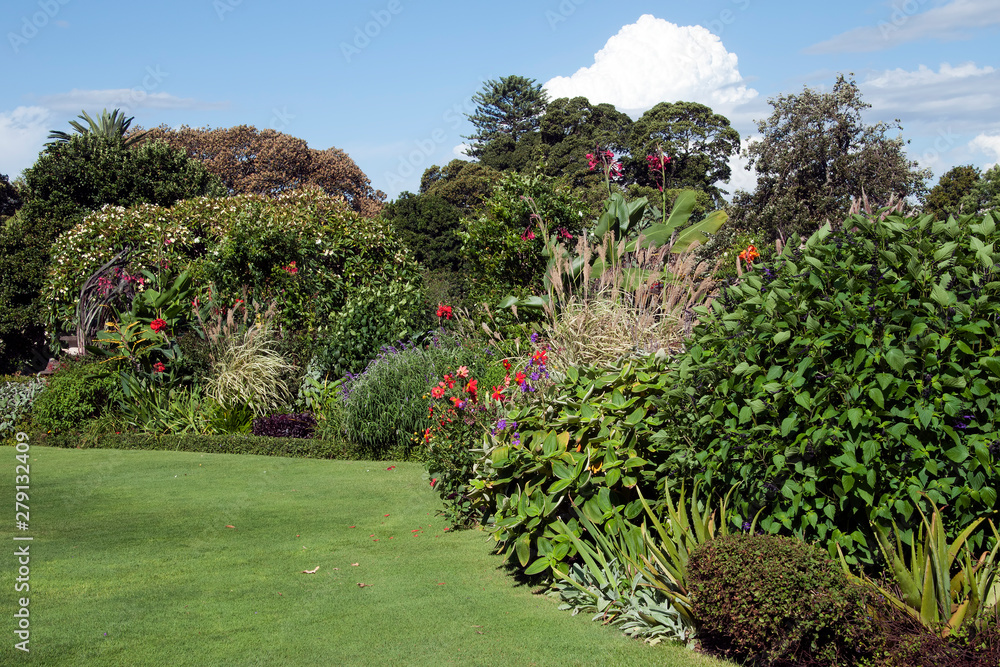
[{"x": 749, "y": 255}]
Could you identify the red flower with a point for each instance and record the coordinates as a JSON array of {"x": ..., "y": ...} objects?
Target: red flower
[
  {"x": 455, "y": 401},
  {"x": 497, "y": 394},
  {"x": 444, "y": 311},
  {"x": 291, "y": 269},
  {"x": 158, "y": 325},
  {"x": 506, "y": 364},
  {"x": 528, "y": 235},
  {"x": 437, "y": 392},
  {"x": 519, "y": 378},
  {"x": 472, "y": 387},
  {"x": 749, "y": 255},
  {"x": 159, "y": 367},
  {"x": 540, "y": 357}
]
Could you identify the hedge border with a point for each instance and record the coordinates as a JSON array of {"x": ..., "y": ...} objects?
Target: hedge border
[{"x": 211, "y": 444}]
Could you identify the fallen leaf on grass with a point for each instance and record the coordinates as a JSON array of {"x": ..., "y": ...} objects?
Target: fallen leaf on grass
[
  {"x": 230, "y": 526},
  {"x": 355, "y": 564},
  {"x": 313, "y": 571},
  {"x": 363, "y": 585},
  {"x": 391, "y": 468}
]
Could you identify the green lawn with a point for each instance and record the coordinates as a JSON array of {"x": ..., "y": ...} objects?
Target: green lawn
[{"x": 133, "y": 563}]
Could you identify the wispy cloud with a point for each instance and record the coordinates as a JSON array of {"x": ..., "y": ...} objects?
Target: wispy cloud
[
  {"x": 124, "y": 98},
  {"x": 987, "y": 143},
  {"x": 22, "y": 134},
  {"x": 964, "y": 97},
  {"x": 954, "y": 20}
]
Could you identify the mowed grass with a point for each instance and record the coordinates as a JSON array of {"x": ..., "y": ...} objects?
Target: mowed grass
[{"x": 134, "y": 563}]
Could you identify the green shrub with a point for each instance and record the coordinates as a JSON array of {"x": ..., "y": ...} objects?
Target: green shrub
[
  {"x": 849, "y": 377},
  {"x": 76, "y": 392},
  {"x": 16, "y": 397},
  {"x": 777, "y": 601},
  {"x": 502, "y": 247},
  {"x": 386, "y": 405},
  {"x": 593, "y": 441}
]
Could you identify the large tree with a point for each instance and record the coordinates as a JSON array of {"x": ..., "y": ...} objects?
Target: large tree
[
  {"x": 698, "y": 141},
  {"x": 573, "y": 127},
  {"x": 956, "y": 192},
  {"x": 509, "y": 107},
  {"x": 816, "y": 154},
  {"x": 461, "y": 183},
  {"x": 268, "y": 162},
  {"x": 429, "y": 226}
]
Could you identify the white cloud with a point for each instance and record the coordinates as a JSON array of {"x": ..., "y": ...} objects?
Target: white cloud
[
  {"x": 904, "y": 22},
  {"x": 22, "y": 134},
  {"x": 741, "y": 178},
  {"x": 987, "y": 143},
  {"x": 652, "y": 61},
  {"x": 461, "y": 151},
  {"x": 126, "y": 99},
  {"x": 924, "y": 75}
]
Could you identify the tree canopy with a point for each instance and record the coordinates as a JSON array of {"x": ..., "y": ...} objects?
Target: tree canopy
[
  {"x": 429, "y": 226},
  {"x": 508, "y": 107},
  {"x": 815, "y": 155},
  {"x": 461, "y": 183},
  {"x": 269, "y": 162},
  {"x": 573, "y": 127},
  {"x": 114, "y": 126},
  {"x": 957, "y": 191},
  {"x": 698, "y": 141}
]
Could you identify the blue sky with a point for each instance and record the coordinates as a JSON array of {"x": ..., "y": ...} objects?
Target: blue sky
[{"x": 390, "y": 81}]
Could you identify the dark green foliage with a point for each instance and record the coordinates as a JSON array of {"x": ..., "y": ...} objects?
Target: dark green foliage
[
  {"x": 505, "y": 153},
  {"x": 68, "y": 180},
  {"x": 461, "y": 183},
  {"x": 957, "y": 192},
  {"x": 508, "y": 107},
  {"x": 428, "y": 225},
  {"x": 594, "y": 442},
  {"x": 571, "y": 128},
  {"x": 777, "y": 601},
  {"x": 10, "y": 199},
  {"x": 285, "y": 426},
  {"x": 846, "y": 379},
  {"x": 908, "y": 643},
  {"x": 503, "y": 244},
  {"x": 77, "y": 392},
  {"x": 815, "y": 154},
  {"x": 216, "y": 444},
  {"x": 698, "y": 142}
]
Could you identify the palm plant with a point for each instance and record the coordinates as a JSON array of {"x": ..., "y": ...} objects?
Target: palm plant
[{"x": 114, "y": 125}]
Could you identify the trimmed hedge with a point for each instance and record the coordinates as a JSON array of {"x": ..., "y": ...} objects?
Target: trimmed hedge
[{"x": 214, "y": 444}]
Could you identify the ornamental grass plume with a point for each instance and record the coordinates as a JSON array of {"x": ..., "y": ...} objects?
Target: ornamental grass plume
[{"x": 249, "y": 371}]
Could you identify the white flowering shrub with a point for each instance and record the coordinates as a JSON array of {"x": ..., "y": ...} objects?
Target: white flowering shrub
[{"x": 304, "y": 249}]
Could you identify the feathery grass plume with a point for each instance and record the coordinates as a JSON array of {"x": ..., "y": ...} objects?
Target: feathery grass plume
[{"x": 248, "y": 371}]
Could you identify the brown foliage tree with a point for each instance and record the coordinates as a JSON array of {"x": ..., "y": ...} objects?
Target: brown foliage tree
[{"x": 266, "y": 161}]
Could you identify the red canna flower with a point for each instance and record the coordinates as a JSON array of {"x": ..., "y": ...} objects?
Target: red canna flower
[
  {"x": 158, "y": 367},
  {"x": 158, "y": 325},
  {"x": 444, "y": 311}
]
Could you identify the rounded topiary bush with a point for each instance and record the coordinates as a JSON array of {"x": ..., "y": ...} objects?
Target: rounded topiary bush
[
  {"x": 777, "y": 601},
  {"x": 849, "y": 377}
]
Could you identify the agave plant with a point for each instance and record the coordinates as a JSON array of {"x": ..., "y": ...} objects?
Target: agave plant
[
  {"x": 114, "y": 125},
  {"x": 925, "y": 588}
]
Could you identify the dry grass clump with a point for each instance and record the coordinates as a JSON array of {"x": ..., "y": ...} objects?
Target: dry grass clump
[{"x": 625, "y": 303}]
